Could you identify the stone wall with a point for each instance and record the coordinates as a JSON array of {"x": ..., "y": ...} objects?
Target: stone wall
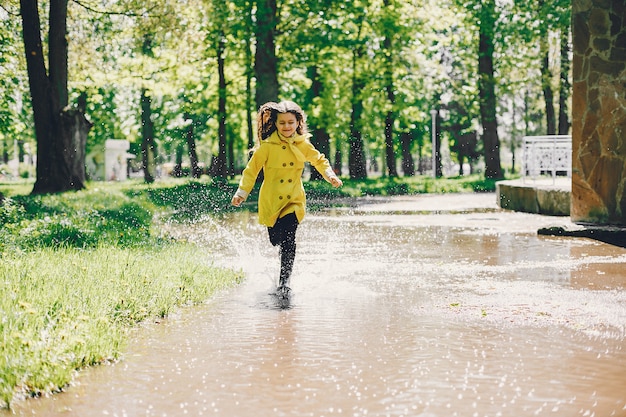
[{"x": 599, "y": 112}]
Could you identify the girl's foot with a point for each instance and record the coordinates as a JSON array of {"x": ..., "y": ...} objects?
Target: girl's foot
[{"x": 283, "y": 291}]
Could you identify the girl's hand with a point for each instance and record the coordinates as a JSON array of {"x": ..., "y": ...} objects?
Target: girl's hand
[
  {"x": 336, "y": 182},
  {"x": 236, "y": 201}
]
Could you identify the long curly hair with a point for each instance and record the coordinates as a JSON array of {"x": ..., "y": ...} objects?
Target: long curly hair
[{"x": 268, "y": 114}]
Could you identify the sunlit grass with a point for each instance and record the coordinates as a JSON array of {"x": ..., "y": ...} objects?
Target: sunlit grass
[
  {"x": 63, "y": 309},
  {"x": 78, "y": 271}
]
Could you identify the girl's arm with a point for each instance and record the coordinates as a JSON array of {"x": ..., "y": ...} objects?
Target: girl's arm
[
  {"x": 322, "y": 165},
  {"x": 249, "y": 175}
]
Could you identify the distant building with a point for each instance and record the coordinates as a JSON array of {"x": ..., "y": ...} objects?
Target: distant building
[{"x": 109, "y": 162}]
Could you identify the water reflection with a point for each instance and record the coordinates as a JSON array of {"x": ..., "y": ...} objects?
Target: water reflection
[{"x": 405, "y": 315}]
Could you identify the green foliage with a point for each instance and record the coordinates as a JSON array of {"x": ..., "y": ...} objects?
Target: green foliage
[{"x": 170, "y": 49}]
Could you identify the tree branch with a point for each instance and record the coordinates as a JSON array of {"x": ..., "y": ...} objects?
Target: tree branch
[
  {"x": 9, "y": 12},
  {"x": 116, "y": 13}
]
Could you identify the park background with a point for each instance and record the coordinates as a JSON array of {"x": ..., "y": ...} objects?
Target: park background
[{"x": 181, "y": 81}]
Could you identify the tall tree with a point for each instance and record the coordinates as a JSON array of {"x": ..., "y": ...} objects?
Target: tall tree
[
  {"x": 220, "y": 168},
  {"x": 148, "y": 143},
  {"x": 217, "y": 37},
  {"x": 356, "y": 154},
  {"x": 265, "y": 62},
  {"x": 565, "y": 87},
  {"x": 546, "y": 73},
  {"x": 61, "y": 131},
  {"x": 546, "y": 24},
  {"x": 487, "y": 89},
  {"x": 246, "y": 31},
  {"x": 320, "y": 138},
  {"x": 390, "y": 118},
  {"x": 15, "y": 115},
  {"x": 406, "y": 140},
  {"x": 196, "y": 172}
]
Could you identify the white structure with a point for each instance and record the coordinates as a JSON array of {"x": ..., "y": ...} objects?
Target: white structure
[
  {"x": 109, "y": 162},
  {"x": 547, "y": 155}
]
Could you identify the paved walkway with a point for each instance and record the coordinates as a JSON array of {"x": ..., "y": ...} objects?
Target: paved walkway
[
  {"x": 486, "y": 203},
  {"x": 430, "y": 202}
]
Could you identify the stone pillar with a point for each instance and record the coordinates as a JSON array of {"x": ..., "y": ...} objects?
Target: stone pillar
[{"x": 599, "y": 112}]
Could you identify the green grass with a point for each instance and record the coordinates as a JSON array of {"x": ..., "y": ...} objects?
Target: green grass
[
  {"x": 386, "y": 186},
  {"x": 63, "y": 309},
  {"x": 80, "y": 269}
]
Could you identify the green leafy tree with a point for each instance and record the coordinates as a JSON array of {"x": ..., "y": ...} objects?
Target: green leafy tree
[
  {"x": 390, "y": 30},
  {"x": 544, "y": 29},
  {"x": 307, "y": 27},
  {"x": 356, "y": 41},
  {"x": 16, "y": 133},
  {"x": 265, "y": 61},
  {"x": 487, "y": 88},
  {"x": 61, "y": 131}
]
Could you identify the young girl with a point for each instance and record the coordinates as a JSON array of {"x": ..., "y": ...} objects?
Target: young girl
[{"x": 282, "y": 149}]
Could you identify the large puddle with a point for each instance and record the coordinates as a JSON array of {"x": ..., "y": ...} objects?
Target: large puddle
[{"x": 465, "y": 313}]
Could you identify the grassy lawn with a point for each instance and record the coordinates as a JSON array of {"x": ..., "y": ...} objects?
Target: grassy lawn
[{"x": 80, "y": 269}]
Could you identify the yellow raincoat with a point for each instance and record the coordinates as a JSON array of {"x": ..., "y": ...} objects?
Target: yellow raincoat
[{"x": 282, "y": 160}]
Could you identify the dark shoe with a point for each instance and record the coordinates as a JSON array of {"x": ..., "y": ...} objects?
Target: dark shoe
[{"x": 283, "y": 291}]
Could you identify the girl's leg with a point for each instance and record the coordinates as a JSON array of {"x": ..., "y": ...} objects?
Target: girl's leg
[
  {"x": 287, "y": 255},
  {"x": 283, "y": 234}
]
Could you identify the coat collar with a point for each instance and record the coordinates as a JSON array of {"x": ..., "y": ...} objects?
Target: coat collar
[{"x": 278, "y": 138}]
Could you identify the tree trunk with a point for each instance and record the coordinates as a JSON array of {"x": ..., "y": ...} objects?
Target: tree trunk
[
  {"x": 147, "y": 139},
  {"x": 220, "y": 161},
  {"x": 249, "y": 99},
  {"x": 320, "y": 138},
  {"x": 265, "y": 63},
  {"x": 356, "y": 154},
  {"x": 390, "y": 118},
  {"x": 548, "y": 95},
  {"x": 390, "y": 153},
  {"x": 61, "y": 132},
  {"x": 230, "y": 155},
  {"x": 487, "y": 94},
  {"x": 178, "y": 167},
  {"x": 565, "y": 87},
  {"x": 437, "y": 150},
  {"x": 337, "y": 166},
  {"x": 408, "y": 166},
  {"x": 196, "y": 172}
]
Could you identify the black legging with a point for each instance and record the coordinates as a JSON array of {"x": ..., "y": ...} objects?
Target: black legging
[{"x": 283, "y": 234}]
